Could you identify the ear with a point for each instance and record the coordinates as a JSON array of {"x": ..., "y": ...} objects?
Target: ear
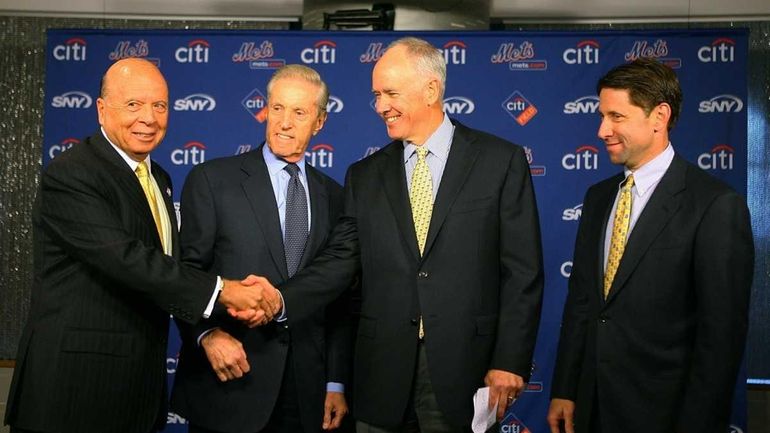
[
  {"x": 100, "y": 107},
  {"x": 319, "y": 122},
  {"x": 661, "y": 115},
  {"x": 431, "y": 91}
]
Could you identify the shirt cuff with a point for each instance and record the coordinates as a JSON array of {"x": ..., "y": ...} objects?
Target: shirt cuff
[
  {"x": 335, "y": 387},
  {"x": 282, "y": 317},
  {"x": 205, "y": 333},
  {"x": 213, "y": 300}
]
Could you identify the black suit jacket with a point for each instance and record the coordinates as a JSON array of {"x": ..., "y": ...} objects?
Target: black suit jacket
[
  {"x": 92, "y": 355},
  {"x": 664, "y": 349},
  {"x": 231, "y": 227},
  {"x": 478, "y": 285}
]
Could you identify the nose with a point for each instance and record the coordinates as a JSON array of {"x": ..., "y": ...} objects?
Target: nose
[
  {"x": 147, "y": 114},
  {"x": 286, "y": 119},
  {"x": 605, "y": 129},
  {"x": 381, "y": 104}
]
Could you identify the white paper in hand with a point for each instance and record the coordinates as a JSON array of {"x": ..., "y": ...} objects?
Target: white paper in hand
[{"x": 483, "y": 416}]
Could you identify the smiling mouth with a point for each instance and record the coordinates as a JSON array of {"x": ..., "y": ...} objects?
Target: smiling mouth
[
  {"x": 284, "y": 137},
  {"x": 144, "y": 135},
  {"x": 391, "y": 119}
]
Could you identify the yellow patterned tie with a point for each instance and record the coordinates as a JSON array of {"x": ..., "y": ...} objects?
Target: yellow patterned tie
[
  {"x": 144, "y": 179},
  {"x": 619, "y": 233},
  {"x": 421, "y": 199}
]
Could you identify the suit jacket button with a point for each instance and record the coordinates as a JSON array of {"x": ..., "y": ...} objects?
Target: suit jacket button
[
  {"x": 414, "y": 322},
  {"x": 422, "y": 274}
]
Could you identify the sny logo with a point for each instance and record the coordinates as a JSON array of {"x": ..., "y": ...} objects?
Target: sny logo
[
  {"x": 369, "y": 151},
  {"x": 719, "y": 158},
  {"x": 320, "y": 156},
  {"x": 72, "y": 99},
  {"x": 196, "y": 51},
  {"x": 195, "y": 102},
  {"x": 65, "y": 144},
  {"x": 572, "y": 213},
  {"x": 518, "y": 107},
  {"x": 256, "y": 104},
  {"x": 242, "y": 148},
  {"x": 335, "y": 105},
  {"x": 585, "y": 158},
  {"x": 454, "y": 52},
  {"x": 722, "y": 50},
  {"x": 373, "y": 53},
  {"x": 322, "y": 52},
  {"x": 721, "y": 104},
  {"x": 193, "y": 153},
  {"x": 658, "y": 50},
  {"x": 518, "y": 58},
  {"x": 582, "y": 105},
  {"x": 586, "y": 52},
  {"x": 175, "y": 419},
  {"x": 73, "y": 49},
  {"x": 124, "y": 50},
  {"x": 458, "y": 105}
]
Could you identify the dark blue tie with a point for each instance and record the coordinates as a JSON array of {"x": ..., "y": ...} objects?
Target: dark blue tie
[{"x": 295, "y": 233}]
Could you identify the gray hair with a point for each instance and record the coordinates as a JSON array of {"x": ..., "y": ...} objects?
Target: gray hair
[
  {"x": 304, "y": 73},
  {"x": 428, "y": 59}
]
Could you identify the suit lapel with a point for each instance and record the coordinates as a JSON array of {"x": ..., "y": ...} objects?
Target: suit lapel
[
  {"x": 259, "y": 192},
  {"x": 462, "y": 156},
  {"x": 319, "y": 224},
  {"x": 660, "y": 208},
  {"x": 393, "y": 177}
]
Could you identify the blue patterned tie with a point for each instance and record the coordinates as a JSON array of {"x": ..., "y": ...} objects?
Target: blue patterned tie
[{"x": 295, "y": 232}]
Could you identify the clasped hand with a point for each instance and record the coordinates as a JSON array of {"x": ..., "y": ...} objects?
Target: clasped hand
[{"x": 252, "y": 300}]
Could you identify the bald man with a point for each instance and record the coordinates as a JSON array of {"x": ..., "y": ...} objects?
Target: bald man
[{"x": 92, "y": 355}]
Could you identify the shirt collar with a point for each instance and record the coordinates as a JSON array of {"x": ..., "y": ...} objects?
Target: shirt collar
[
  {"x": 438, "y": 142},
  {"x": 131, "y": 163},
  {"x": 275, "y": 164},
  {"x": 650, "y": 173}
]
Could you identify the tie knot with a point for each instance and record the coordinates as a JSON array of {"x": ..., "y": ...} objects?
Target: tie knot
[
  {"x": 141, "y": 169},
  {"x": 422, "y": 152},
  {"x": 292, "y": 168},
  {"x": 629, "y": 182}
]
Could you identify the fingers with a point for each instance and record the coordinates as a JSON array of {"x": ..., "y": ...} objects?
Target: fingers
[
  {"x": 560, "y": 412},
  {"x": 504, "y": 387},
  {"x": 225, "y": 354},
  {"x": 327, "y": 416},
  {"x": 335, "y": 409}
]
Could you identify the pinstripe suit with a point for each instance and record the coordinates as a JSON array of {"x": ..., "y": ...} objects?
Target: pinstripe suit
[{"x": 92, "y": 355}]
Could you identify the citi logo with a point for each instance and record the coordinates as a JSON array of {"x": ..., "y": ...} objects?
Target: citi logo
[
  {"x": 518, "y": 107},
  {"x": 719, "y": 158},
  {"x": 193, "y": 153},
  {"x": 335, "y": 105},
  {"x": 572, "y": 213},
  {"x": 320, "y": 156},
  {"x": 195, "y": 102},
  {"x": 73, "y": 49},
  {"x": 512, "y": 424},
  {"x": 196, "y": 51},
  {"x": 373, "y": 53},
  {"x": 582, "y": 105},
  {"x": 72, "y": 99},
  {"x": 65, "y": 144},
  {"x": 459, "y": 105},
  {"x": 124, "y": 50},
  {"x": 566, "y": 269},
  {"x": 586, "y": 52},
  {"x": 584, "y": 158},
  {"x": 722, "y": 50},
  {"x": 256, "y": 104},
  {"x": 721, "y": 104},
  {"x": 454, "y": 52},
  {"x": 322, "y": 52}
]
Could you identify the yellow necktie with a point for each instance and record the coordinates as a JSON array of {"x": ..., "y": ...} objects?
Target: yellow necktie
[
  {"x": 144, "y": 179},
  {"x": 619, "y": 233},
  {"x": 421, "y": 199}
]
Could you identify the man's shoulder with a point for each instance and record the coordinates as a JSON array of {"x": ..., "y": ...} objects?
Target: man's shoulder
[
  {"x": 323, "y": 179},
  {"x": 490, "y": 142}
]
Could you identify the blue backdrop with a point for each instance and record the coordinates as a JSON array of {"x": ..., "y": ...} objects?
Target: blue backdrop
[{"x": 535, "y": 89}]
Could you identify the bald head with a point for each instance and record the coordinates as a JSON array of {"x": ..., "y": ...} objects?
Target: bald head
[{"x": 133, "y": 106}]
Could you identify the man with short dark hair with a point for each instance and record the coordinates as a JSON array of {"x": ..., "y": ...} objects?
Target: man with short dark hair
[{"x": 656, "y": 317}]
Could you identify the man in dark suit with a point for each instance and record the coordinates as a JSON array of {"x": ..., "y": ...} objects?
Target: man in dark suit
[
  {"x": 655, "y": 321},
  {"x": 235, "y": 221},
  {"x": 92, "y": 355},
  {"x": 451, "y": 291}
]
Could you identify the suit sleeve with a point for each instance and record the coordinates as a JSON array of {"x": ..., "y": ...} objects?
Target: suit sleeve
[
  {"x": 574, "y": 324},
  {"x": 521, "y": 260},
  {"x": 332, "y": 271},
  {"x": 723, "y": 270},
  {"x": 75, "y": 210}
]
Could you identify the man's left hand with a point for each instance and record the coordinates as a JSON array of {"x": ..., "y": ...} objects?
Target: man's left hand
[
  {"x": 335, "y": 408},
  {"x": 504, "y": 387}
]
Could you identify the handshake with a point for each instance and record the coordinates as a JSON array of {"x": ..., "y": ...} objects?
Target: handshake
[{"x": 252, "y": 300}]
